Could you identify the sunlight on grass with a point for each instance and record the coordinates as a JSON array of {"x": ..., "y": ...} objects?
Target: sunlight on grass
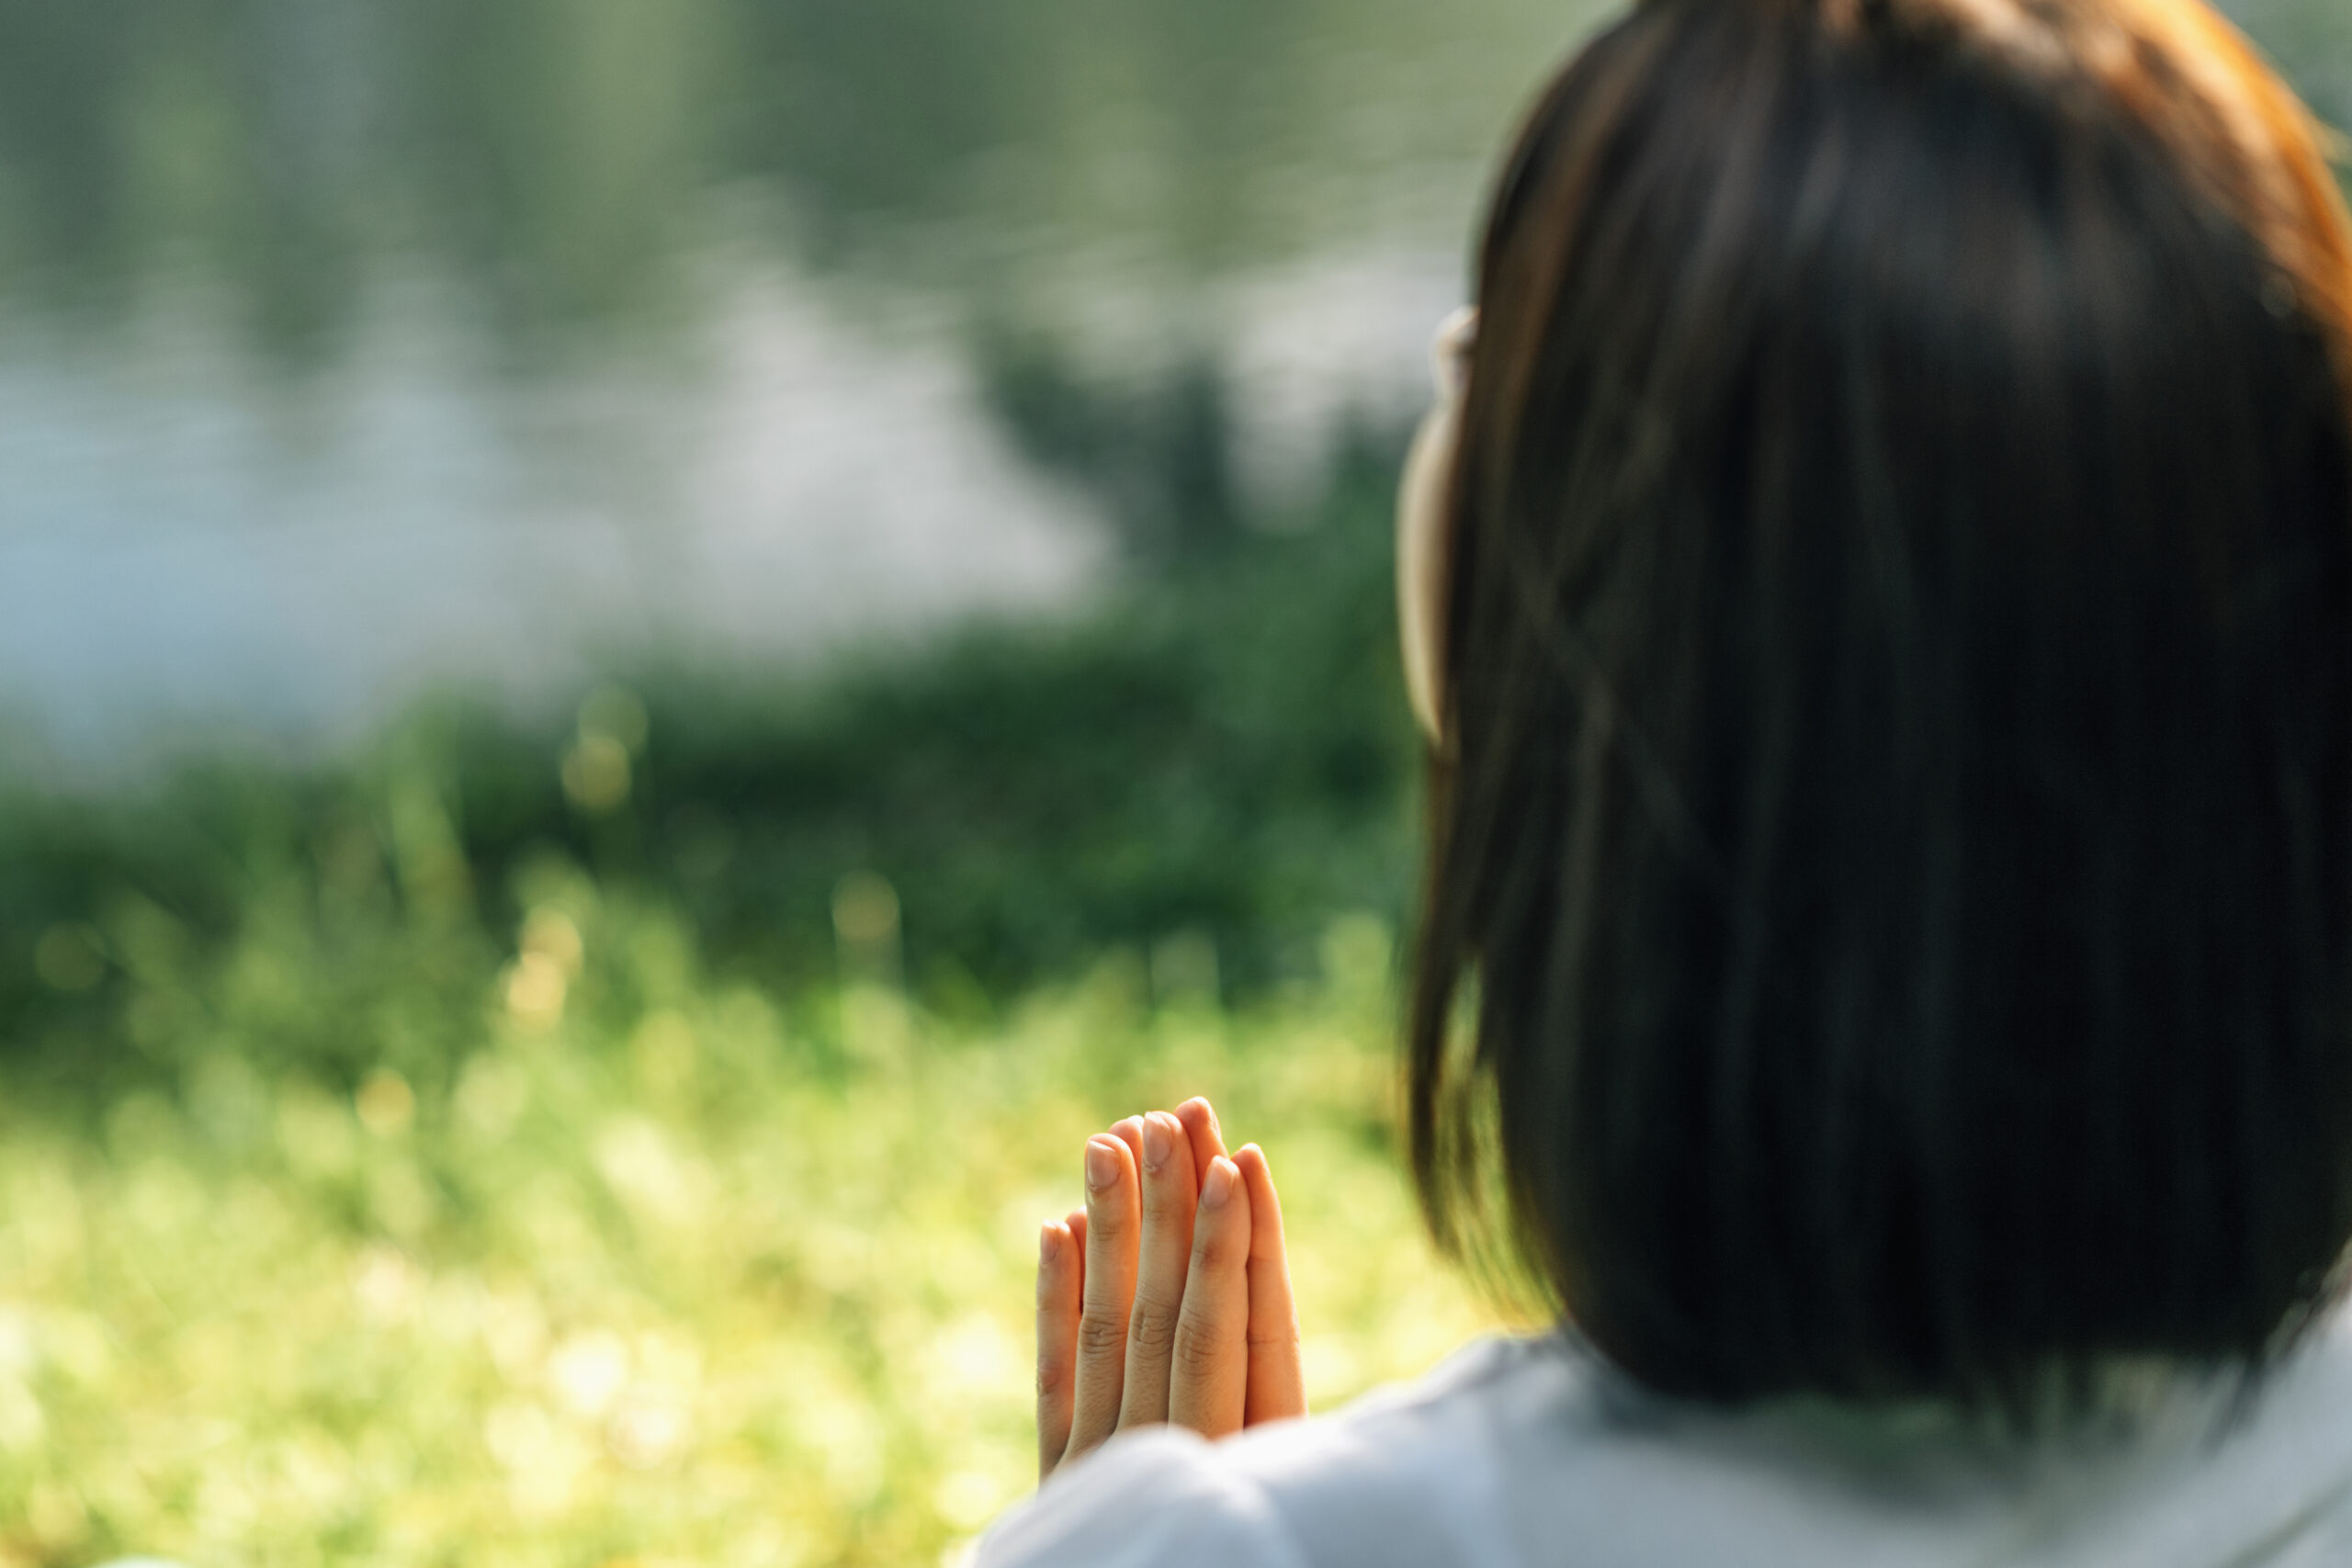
[{"x": 662, "y": 1269}]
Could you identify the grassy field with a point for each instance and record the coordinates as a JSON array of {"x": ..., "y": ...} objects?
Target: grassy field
[{"x": 664, "y": 1269}]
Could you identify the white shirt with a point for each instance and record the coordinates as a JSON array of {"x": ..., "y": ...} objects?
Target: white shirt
[{"x": 1528, "y": 1452}]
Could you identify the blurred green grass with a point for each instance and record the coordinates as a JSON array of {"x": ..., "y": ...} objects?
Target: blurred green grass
[
  {"x": 710, "y": 1273},
  {"x": 623, "y": 1141}
]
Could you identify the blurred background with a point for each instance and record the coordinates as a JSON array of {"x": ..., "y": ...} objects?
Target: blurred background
[{"x": 650, "y": 651}]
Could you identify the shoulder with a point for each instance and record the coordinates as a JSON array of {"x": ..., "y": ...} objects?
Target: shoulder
[
  {"x": 1152, "y": 1497},
  {"x": 1407, "y": 1474}
]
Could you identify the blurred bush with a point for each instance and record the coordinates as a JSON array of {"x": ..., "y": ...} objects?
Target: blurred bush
[{"x": 1204, "y": 768}]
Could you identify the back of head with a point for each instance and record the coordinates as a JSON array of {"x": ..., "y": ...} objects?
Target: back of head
[{"x": 1897, "y": 813}]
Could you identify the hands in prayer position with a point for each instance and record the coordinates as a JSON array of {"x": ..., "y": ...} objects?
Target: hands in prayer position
[{"x": 1167, "y": 1298}]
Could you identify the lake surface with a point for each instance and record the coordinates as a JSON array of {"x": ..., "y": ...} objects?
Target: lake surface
[{"x": 349, "y": 347}]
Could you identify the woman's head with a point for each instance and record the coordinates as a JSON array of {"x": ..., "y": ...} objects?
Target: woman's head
[{"x": 1894, "y": 666}]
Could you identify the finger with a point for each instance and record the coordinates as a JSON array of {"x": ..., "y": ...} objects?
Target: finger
[
  {"x": 1114, "y": 1223},
  {"x": 1059, "y": 1280},
  {"x": 1277, "y": 1383},
  {"x": 1208, "y": 1139},
  {"x": 1208, "y": 1385},
  {"x": 1129, "y": 1131},
  {"x": 1170, "y": 1194}
]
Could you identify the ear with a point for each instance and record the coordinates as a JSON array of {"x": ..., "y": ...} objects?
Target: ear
[{"x": 1425, "y": 528}]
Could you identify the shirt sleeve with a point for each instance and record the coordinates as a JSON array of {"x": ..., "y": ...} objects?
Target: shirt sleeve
[{"x": 1153, "y": 1498}]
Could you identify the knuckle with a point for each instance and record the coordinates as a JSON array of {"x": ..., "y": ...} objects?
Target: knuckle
[
  {"x": 1281, "y": 1337},
  {"x": 1152, "y": 1329},
  {"x": 1100, "y": 1336},
  {"x": 1053, "y": 1379},
  {"x": 1196, "y": 1354},
  {"x": 1216, "y": 1246}
]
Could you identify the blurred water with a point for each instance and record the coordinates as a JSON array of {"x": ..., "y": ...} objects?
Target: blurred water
[
  {"x": 189, "y": 541},
  {"x": 352, "y": 345}
]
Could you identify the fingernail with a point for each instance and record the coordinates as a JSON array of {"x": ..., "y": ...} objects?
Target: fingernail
[
  {"x": 1049, "y": 1242},
  {"x": 1101, "y": 1166},
  {"x": 1158, "y": 1142},
  {"x": 1219, "y": 1186}
]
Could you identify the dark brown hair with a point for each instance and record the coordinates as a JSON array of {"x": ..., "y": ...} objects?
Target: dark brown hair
[{"x": 1889, "y": 914}]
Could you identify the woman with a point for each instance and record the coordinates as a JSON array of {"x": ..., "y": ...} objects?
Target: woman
[{"x": 1882, "y": 607}]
